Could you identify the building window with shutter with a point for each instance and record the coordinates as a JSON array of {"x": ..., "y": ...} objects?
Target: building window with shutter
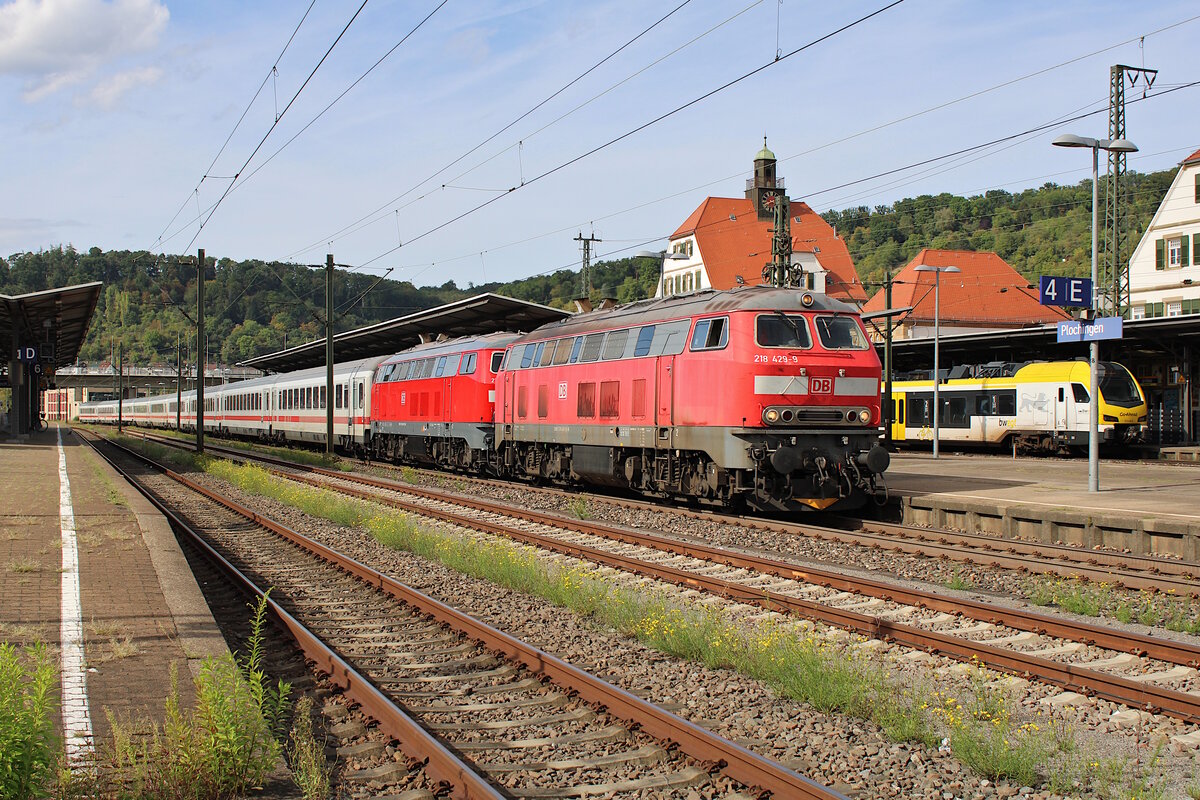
[{"x": 1174, "y": 253}]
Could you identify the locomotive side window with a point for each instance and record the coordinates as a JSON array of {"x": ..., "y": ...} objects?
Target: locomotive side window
[
  {"x": 1080, "y": 392},
  {"x": 782, "y": 330},
  {"x": 497, "y": 357},
  {"x": 468, "y": 364},
  {"x": 546, "y": 354},
  {"x": 1061, "y": 394},
  {"x": 610, "y": 398},
  {"x": 841, "y": 333},
  {"x": 711, "y": 334},
  {"x": 591, "y": 347},
  {"x": 402, "y": 371},
  {"x": 587, "y": 400},
  {"x": 440, "y": 368},
  {"x": 527, "y": 356},
  {"x": 644, "y": 338},
  {"x": 670, "y": 338},
  {"x": 562, "y": 351},
  {"x": 575, "y": 350},
  {"x": 614, "y": 348}
]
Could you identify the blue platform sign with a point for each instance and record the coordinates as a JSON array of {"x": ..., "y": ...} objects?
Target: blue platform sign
[
  {"x": 1090, "y": 331},
  {"x": 1054, "y": 290}
]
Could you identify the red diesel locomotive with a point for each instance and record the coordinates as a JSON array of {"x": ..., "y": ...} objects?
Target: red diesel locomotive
[
  {"x": 436, "y": 403},
  {"x": 757, "y": 396}
]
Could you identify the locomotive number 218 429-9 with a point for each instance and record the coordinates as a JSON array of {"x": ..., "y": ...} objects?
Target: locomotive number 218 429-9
[{"x": 782, "y": 358}]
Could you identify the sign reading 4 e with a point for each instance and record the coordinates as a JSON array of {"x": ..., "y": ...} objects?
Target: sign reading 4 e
[{"x": 1054, "y": 290}]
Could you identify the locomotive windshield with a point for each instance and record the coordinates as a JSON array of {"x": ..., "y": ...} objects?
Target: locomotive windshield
[
  {"x": 841, "y": 333},
  {"x": 783, "y": 330},
  {"x": 1117, "y": 386}
]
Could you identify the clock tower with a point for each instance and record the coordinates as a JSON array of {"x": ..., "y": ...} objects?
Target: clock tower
[{"x": 765, "y": 190}]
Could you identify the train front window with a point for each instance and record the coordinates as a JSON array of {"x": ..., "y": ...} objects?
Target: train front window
[
  {"x": 841, "y": 333},
  {"x": 1117, "y": 386},
  {"x": 1080, "y": 393},
  {"x": 497, "y": 357},
  {"x": 782, "y": 330}
]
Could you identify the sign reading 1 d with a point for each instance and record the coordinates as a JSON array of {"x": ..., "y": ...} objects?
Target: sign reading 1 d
[{"x": 1058, "y": 291}]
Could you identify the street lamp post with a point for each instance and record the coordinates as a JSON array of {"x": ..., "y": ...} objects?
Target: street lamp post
[
  {"x": 1096, "y": 145},
  {"x": 662, "y": 256},
  {"x": 937, "y": 282}
]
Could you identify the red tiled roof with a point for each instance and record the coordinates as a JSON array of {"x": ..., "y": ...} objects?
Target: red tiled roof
[
  {"x": 1193, "y": 158},
  {"x": 741, "y": 246},
  {"x": 987, "y": 292}
]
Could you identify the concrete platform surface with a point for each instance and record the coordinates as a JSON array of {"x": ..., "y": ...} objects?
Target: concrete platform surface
[
  {"x": 139, "y": 611},
  {"x": 1142, "y": 507},
  {"x": 1168, "y": 490}
]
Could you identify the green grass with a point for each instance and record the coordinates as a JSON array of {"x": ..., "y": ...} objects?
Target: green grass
[
  {"x": 29, "y": 747},
  {"x": 1155, "y": 609},
  {"x": 310, "y": 770},
  {"x": 958, "y": 582},
  {"x": 23, "y": 566}
]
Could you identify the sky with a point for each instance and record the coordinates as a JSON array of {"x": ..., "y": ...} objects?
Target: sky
[{"x": 496, "y": 131}]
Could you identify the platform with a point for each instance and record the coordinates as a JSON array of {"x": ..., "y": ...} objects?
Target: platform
[
  {"x": 131, "y": 613},
  {"x": 1143, "y": 508}
]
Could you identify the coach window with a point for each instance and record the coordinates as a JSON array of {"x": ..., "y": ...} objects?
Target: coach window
[
  {"x": 841, "y": 333},
  {"x": 592, "y": 343},
  {"x": 562, "y": 351},
  {"x": 468, "y": 365},
  {"x": 324, "y": 398},
  {"x": 711, "y": 334},
  {"x": 497, "y": 357},
  {"x": 1006, "y": 404},
  {"x": 644, "y": 338},
  {"x": 360, "y": 394},
  {"x": 614, "y": 348},
  {"x": 1080, "y": 392},
  {"x": 782, "y": 330}
]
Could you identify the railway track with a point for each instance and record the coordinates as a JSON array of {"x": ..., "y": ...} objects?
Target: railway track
[
  {"x": 1145, "y": 572},
  {"x": 489, "y": 715},
  {"x": 1135, "y": 670}
]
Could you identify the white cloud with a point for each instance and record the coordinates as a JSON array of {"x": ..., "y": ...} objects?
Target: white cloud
[
  {"x": 108, "y": 91},
  {"x": 59, "y": 43}
]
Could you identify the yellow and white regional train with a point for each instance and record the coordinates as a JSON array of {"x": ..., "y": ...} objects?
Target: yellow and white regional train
[{"x": 1036, "y": 407}]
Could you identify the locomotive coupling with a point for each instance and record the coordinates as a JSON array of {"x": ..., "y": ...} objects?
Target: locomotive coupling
[{"x": 876, "y": 460}]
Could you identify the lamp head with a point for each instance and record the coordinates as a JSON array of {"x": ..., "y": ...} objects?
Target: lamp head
[
  {"x": 1121, "y": 146},
  {"x": 1071, "y": 140}
]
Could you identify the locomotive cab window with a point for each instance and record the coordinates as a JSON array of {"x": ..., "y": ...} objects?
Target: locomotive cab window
[
  {"x": 497, "y": 357},
  {"x": 644, "y": 338},
  {"x": 841, "y": 333},
  {"x": 468, "y": 364},
  {"x": 711, "y": 334},
  {"x": 782, "y": 330},
  {"x": 1080, "y": 393}
]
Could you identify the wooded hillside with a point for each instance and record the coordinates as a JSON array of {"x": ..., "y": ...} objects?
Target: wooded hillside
[{"x": 148, "y": 300}]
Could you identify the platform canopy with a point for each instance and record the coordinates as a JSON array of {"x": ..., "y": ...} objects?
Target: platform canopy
[
  {"x": 1142, "y": 338},
  {"x": 55, "y": 321},
  {"x": 485, "y": 313}
]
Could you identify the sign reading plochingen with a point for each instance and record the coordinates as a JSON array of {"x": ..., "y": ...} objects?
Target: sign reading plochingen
[{"x": 1090, "y": 330}]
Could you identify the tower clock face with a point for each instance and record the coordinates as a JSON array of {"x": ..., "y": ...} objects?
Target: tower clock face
[{"x": 769, "y": 199}]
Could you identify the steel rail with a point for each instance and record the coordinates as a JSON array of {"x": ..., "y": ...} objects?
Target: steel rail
[
  {"x": 1183, "y": 705},
  {"x": 455, "y": 778},
  {"x": 1169, "y": 650},
  {"x": 1153, "y": 574},
  {"x": 721, "y": 755}
]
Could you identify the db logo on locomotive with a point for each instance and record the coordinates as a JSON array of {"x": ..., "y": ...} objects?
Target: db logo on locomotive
[{"x": 820, "y": 385}]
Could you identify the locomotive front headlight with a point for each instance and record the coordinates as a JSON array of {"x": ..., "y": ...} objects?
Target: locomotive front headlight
[
  {"x": 851, "y": 415},
  {"x": 771, "y": 416},
  {"x": 864, "y": 416}
]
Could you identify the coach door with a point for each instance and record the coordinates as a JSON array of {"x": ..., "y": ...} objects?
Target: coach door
[
  {"x": 1060, "y": 408},
  {"x": 666, "y": 401}
]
